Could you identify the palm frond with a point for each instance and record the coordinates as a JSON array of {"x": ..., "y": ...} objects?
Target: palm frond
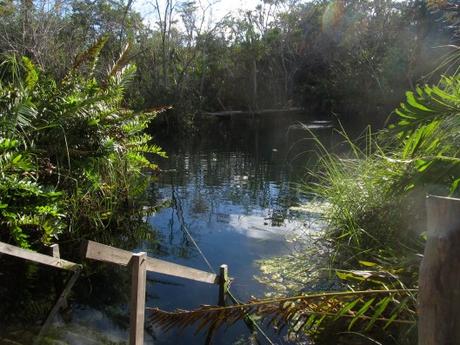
[
  {"x": 304, "y": 313},
  {"x": 121, "y": 62},
  {"x": 90, "y": 55},
  {"x": 429, "y": 103}
]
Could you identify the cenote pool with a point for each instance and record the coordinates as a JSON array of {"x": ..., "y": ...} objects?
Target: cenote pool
[{"x": 235, "y": 192}]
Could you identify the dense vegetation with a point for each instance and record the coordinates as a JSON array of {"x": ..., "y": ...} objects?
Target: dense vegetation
[
  {"x": 71, "y": 156},
  {"x": 376, "y": 199},
  {"x": 352, "y": 58}
]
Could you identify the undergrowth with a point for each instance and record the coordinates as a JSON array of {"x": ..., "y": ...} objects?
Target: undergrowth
[{"x": 376, "y": 190}]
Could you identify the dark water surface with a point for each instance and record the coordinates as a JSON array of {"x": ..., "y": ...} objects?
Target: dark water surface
[{"x": 231, "y": 190}]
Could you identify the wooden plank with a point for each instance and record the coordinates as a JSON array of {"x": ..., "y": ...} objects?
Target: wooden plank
[
  {"x": 223, "y": 284},
  {"x": 137, "y": 310},
  {"x": 60, "y": 303},
  {"x": 102, "y": 252},
  {"x": 439, "y": 279},
  {"x": 37, "y": 257}
]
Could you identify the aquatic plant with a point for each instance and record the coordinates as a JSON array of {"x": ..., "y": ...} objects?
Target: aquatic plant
[{"x": 377, "y": 189}]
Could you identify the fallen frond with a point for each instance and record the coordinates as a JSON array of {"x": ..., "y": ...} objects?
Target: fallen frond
[{"x": 302, "y": 313}]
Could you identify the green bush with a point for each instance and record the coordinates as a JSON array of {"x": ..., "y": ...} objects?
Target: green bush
[{"x": 71, "y": 156}]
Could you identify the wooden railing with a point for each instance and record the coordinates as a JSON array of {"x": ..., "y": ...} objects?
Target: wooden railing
[
  {"x": 140, "y": 263},
  {"x": 102, "y": 252},
  {"x": 53, "y": 260}
]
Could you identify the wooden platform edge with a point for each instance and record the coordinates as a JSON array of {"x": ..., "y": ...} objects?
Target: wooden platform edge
[
  {"x": 30, "y": 255},
  {"x": 102, "y": 252}
]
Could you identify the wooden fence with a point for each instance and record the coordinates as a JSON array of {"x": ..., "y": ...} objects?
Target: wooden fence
[
  {"x": 53, "y": 260},
  {"x": 140, "y": 263}
]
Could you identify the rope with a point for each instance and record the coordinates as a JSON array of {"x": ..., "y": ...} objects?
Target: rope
[
  {"x": 249, "y": 318},
  {"x": 180, "y": 214}
]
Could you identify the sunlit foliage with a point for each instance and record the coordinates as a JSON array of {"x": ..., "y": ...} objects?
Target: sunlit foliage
[{"x": 71, "y": 154}]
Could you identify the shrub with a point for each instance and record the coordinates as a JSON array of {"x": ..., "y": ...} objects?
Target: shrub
[{"x": 71, "y": 156}]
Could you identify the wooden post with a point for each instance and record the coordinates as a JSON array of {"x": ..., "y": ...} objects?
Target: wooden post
[
  {"x": 223, "y": 284},
  {"x": 60, "y": 303},
  {"x": 223, "y": 288},
  {"x": 439, "y": 281},
  {"x": 53, "y": 250},
  {"x": 137, "y": 310}
]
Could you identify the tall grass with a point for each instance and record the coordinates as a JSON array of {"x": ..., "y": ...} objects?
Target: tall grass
[
  {"x": 376, "y": 189},
  {"x": 368, "y": 209}
]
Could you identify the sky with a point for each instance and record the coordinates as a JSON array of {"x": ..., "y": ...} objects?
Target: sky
[
  {"x": 219, "y": 8},
  {"x": 225, "y": 6}
]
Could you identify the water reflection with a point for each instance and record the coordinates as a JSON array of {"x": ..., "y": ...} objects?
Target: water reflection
[
  {"x": 236, "y": 204},
  {"x": 231, "y": 190}
]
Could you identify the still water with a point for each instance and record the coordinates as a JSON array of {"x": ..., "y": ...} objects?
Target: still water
[{"x": 232, "y": 191}]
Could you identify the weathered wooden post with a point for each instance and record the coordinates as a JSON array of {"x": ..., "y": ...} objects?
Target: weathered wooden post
[
  {"x": 137, "y": 309},
  {"x": 222, "y": 280},
  {"x": 53, "y": 250},
  {"x": 439, "y": 281},
  {"x": 223, "y": 284}
]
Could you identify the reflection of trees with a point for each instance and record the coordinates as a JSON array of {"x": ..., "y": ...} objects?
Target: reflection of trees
[
  {"x": 234, "y": 177},
  {"x": 27, "y": 291},
  {"x": 205, "y": 185}
]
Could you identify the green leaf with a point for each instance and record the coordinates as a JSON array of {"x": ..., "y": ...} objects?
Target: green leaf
[
  {"x": 381, "y": 306},
  {"x": 346, "y": 309},
  {"x": 454, "y": 186},
  {"x": 413, "y": 102},
  {"x": 404, "y": 115},
  {"x": 361, "y": 311},
  {"x": 367, "y": 263},
  {"x": 17, "y": 158},
  {"x": 93, "y": 122},
  {"x": 422, "y": 165},
  {"x": 343, "y": 275}
]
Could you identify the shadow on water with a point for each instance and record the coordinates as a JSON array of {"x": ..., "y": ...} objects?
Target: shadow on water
[{"x": 231, "y": 189}]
